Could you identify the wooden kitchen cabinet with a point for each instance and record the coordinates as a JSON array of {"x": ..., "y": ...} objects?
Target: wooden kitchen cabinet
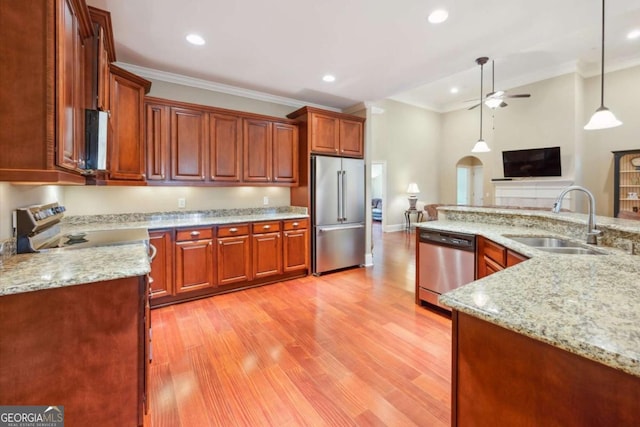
[
  {"x": 331, "y": 133},
  {"x": 157, "y": 140},
  {"x": 126, "y": 150},
  {"x": 234, "y": 254},
  {"x": 194, "y": 260},
  {"x": 492, "y": 257},
  {"x": 188, "y": 142},
  {"x": 225, "y": 148},
  {"x": 257, "y": 141},
  {"x": 285, "y": 153},
  {"x": 100, "y": 54},
  {"x": 83, "y": 346},
  {"x": 161, "y": 275},
  {"x": 295, "y": 245},
  {"x": 42, "y": 89},
  {"x": 266, "y": 249}
]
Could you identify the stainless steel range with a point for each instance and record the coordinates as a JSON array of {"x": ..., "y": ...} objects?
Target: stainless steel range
[{"x": 38, "y": 229}]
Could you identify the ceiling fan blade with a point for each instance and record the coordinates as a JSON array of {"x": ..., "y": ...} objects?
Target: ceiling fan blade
[
  {"x": 471, "y": 108},
  {"x": 503, "y": 104},
  {"x": 519, "y": 95}
]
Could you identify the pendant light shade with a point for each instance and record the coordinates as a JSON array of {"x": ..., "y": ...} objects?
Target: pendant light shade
[
  {"x": 602, "y": 118},
  {"x": 481, "y": 146}
]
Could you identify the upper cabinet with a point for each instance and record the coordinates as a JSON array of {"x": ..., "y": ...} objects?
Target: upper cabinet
[
  {"x": 42, "y": 87},
  {"x": 331, "y": 133},
  {"x": 212, "y": 146}
]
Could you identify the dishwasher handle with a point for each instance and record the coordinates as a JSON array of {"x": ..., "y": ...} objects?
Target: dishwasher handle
[{"x": 465, "y": 242}]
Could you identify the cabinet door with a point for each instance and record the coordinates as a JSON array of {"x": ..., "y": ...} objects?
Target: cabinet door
[
  {"x": 514, "y": 258},
  {"x": 70, "y": 82},
  {"x": 285, "y": 152},
  {"x": 225, "y": 148},
  {"x": 351, "y": 140},
  {"x": 157, "y": 140},
  {"x": 267, "y": 255},
  {"x": 194, "y": 265},
  {"x": 233, "y": 260},
  {"x": 296, "y": 250},
  {"x": 257, "y": 150},
  {"x": 188, "y": 143},
  {"x": 162, "y": 265},
  {"x": 103, "y": 72},
  {"x": 126, "y": 159},
  {"x": 325, "y": 133}
]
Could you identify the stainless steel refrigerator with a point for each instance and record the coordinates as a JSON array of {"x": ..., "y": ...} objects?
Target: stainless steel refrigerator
[{"x": 337, "y": 213}]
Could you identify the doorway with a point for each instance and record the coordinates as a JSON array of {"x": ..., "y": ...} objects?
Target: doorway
[
  {"x": 470, "y": 181},
  {"x": 378, "y": 193}
]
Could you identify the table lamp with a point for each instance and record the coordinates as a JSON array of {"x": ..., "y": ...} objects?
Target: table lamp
[{"x": 412, "y": 190}]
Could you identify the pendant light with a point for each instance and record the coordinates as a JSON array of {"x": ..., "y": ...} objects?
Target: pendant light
[
  {"x": 481, "y": 146},
  {"x": 602, "y": 118}
]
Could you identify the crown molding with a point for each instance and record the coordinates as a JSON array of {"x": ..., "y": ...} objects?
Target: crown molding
[{"x": 180, "y": 79}]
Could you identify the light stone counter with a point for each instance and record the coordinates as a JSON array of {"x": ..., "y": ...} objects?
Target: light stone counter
[
  {"x": 67, "y": 267},
  {"x": 588, "y": 305}
]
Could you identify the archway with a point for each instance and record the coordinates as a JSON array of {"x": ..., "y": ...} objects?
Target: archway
[{"x": 469, "y": 178}]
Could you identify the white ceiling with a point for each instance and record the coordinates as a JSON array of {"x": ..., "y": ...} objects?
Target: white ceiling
[{"x": 376, "y": 48}]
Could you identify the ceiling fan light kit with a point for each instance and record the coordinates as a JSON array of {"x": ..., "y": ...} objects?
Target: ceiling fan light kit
[
  {"x": 481, "y": 146},
  {"x": 603, "y": 118}
]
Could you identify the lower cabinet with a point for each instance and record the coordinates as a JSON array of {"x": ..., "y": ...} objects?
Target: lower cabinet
[
  {"x": 233, "y": 254},
  {"x": 267, "y": 249},
  {"x": 197, "y": 262},
  {"x": 492, "y": 257},
  {"x": 295, "y": 245},
  {"x": 194, "y": 260}
]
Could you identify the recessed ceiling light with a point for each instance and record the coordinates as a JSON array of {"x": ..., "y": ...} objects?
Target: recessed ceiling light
[
  {"x": 635, "y": 34},
  {"x": 195, "y": 39},
  {"x": 454, "y": 90},
  {"x": 438, "y": 16},
  {"x": 329, "y": 78}
]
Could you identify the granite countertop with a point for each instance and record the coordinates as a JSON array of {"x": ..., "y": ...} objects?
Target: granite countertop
[
  {"x": 56, "y": 268},
  {"x": 586, "y": 304}
]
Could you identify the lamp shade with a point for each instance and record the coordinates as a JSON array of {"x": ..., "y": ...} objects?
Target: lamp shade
[
  {"x": 413, "y": 188},
  {"x": 481, "y": 147},
  {"x": 603, "y": 118}
]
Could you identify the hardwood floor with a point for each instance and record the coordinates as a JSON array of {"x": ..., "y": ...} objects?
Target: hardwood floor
[{"x": 343, "y": 349}]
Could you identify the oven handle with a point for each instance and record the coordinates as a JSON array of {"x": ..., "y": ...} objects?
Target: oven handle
[{"x": 154, "y": 252}]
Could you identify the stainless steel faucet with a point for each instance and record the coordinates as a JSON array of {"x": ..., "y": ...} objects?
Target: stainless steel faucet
[{"x": 592, "y": 233}]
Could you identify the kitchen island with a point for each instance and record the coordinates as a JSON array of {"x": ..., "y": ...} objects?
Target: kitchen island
[{"x": 554, "y": 340}]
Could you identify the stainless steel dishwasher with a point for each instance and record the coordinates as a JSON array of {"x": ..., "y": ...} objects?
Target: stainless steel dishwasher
[{"x": 445, "y": 261}]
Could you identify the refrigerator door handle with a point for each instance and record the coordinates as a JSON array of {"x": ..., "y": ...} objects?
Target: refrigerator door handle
[
  {"x": 339, "y": 227},
  {"x": 339, "y": 185},
  {"x": 344, "y": 191}
]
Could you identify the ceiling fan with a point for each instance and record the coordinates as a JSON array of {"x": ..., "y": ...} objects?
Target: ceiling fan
[{"x": 495, "y": 99}]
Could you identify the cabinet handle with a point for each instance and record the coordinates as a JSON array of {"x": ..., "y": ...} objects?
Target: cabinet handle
[
  {"x": 266, "y": 227},
  {"x": 195, "y": 233},
  {"x": 161, "y": 176},
  {"x": 220, "y": 242},
  {"x": 295, "y": 224},
  {"x": 233, "y": 230}
]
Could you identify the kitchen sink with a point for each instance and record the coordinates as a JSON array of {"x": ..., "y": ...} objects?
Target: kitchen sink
[{"x": 555, "y": 245}]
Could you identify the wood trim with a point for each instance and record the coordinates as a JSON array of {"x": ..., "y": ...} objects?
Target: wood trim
[
  {"x": 39, "y": 176},
  {"x": 309, "y": 110},
  {"x": 103, "y": 18},
  {"x": 217, "y": 110},
  {"x": 81, "y": 10},
  {"x": 121, "y": 72}
]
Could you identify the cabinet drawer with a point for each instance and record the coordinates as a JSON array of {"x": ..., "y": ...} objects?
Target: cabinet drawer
[
  {"x": 296, "y": 224},
  {"x": 194, "y": 234},
  {"x": 233, "y": 230},
  {"x": 495, "y": 251},
  {"x": 265, "y": 227}
]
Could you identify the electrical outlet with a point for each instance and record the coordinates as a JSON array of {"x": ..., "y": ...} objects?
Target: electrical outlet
[
  {"x": 182, "y": 203},
  {"x": 265, "y": 200}
]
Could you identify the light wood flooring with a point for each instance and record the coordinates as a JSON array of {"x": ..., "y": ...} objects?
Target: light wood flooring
[{"x": 348, "y": 348}]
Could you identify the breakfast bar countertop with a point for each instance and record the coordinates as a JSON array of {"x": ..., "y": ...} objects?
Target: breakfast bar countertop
[{"x": 588, "y": 305}]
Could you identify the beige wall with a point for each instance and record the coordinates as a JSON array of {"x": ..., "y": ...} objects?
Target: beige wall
[
  {"x": 553, "y": 116},
  {"x": 408, "y": 139},
  {"x": 194, "y": 95}
]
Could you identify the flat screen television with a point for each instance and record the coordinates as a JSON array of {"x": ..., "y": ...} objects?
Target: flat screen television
[{"x": 532, "y": 162}]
